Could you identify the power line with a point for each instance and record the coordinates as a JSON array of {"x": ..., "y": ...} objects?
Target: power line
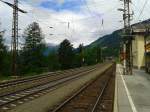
[
  {"x": 88, "y": 9},
  {"x": 127, "y": 38},
  {"x": 62, "y": 21},
  {"x": 142, "y": 9},
  {"x": 14, "y": 41}
]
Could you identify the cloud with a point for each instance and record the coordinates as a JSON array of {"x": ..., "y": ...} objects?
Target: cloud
[
  {"x": 85, "y": 23},
  {"x": 61, "y": 1}
]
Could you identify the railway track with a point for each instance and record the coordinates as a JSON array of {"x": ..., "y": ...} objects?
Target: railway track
[
  {"x": 33, "y": 78},
  {"x": 10, "y": 100},
  {"x": 27, "y": 83},
  {"x": 96, "y": 96}
]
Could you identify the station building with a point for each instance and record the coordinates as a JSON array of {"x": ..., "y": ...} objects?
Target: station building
[{"x": 141, "y": 46}]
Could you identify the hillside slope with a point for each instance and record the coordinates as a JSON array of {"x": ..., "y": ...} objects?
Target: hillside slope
[{"x": 109, "y": 43}]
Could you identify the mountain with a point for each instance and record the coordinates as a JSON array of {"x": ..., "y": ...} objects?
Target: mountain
[
  {"x": 50, "y": 48},
  {"x": 111, "y": 43}
]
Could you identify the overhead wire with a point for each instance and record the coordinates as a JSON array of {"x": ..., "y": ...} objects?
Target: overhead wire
[
  {"x": 55, "y": 19},
  {"x": 142, "y": 10},
  {"x": 89, "y": 10},
  {"x": 73, "y": 20},
  {"x": 41, "y": 21},
  {"x": 138, "y": 20},
  {"x": 87, "y": 7}
]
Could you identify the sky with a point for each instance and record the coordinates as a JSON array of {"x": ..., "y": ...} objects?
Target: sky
[{"x": 80, "y": 21}]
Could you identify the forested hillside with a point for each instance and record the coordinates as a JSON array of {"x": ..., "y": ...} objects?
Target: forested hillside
[{"x": 109, "y": 43}]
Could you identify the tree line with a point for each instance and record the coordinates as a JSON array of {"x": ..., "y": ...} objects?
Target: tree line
[{"x": 32, "y": 59}]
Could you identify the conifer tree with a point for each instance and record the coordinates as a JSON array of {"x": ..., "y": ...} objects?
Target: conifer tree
[
  {"x": 66, "y": 54},
  {"x": 81, "y": 55},
  {"x": 33, "y": 51},
  {"x": 2, "y": 53}
]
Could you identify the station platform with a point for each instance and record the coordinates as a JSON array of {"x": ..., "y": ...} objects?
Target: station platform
[{"x": 132, "y": 92}]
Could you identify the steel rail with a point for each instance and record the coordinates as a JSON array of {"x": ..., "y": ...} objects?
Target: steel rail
[
  {"x": 77, "y": 93},
  {"x": 28, "y": 79},
  {"x": 50, "y": 81},
  {"x": 101, "y": 94},
  {"x": 47, "y": 88}
]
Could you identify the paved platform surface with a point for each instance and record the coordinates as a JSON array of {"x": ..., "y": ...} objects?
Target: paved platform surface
[{"x": 132, "y": 92}]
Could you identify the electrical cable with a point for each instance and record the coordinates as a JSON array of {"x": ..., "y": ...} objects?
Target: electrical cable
[
  {"x": 83, "y": 1},
  {"x": 137, "y": 21},
  {"x": 142, "y": 10}
]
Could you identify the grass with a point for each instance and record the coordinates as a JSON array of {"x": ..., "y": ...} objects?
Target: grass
[
  {"x": 2, "y": 78},
  {"x": 9, "y": 77}
]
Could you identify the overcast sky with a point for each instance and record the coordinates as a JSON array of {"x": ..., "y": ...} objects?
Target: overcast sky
[{"x": 84, "y": 16}]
